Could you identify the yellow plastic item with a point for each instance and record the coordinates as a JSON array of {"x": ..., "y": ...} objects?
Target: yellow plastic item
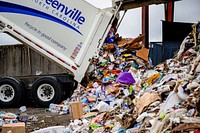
[
  {"x": 127, "y": 55},
  {"x": 153, "y": 77}
]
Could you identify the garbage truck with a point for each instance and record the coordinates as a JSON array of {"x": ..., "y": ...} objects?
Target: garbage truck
[{"x": 68, "y": 32}]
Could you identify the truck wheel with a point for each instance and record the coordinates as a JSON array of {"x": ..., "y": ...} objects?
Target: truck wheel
[
  {"x": 68, "y": 93},
  {"x": 11, "y": 92},
  {"x": 46, "y": 90},
  {"x": 71, "y": 93},
  {"x": 70, "y": 87},
  {"x": 74, "y": 87}
]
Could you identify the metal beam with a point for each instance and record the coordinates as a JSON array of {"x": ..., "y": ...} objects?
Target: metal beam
[
  {"x": 169, "y": 12},
  {"x": 130, "y": 4},
  {"x": 145, "y": 25}
]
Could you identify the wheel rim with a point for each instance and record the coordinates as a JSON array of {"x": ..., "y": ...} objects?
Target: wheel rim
[
  {"x": 7, "y": 93},
  {"x": 45, "y": 92}
]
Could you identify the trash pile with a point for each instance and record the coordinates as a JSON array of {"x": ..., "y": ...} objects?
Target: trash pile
[
  {"x": 125, "y": 93},
  {"x": 7, "y": 117},
  {"x": 16, "y": 122},
  {"x": 10, "y": 118}
]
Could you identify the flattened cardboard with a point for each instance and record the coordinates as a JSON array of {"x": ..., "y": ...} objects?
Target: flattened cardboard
[
  {"x": 143, "y": 53},
  {"x": 146, "y": 100}
]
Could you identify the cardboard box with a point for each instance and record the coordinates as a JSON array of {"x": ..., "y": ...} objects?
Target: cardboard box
[
  {"x": 143, "y": 53},
  {"x": 14, "y": 128},
  {"x": 76, "y": 109}
]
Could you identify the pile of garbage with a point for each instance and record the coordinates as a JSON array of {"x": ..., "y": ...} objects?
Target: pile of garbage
[
  {"x": 10, "y": 118},
  {"x": 125, "y": 93},
  {"x": 7, "y": 117}
]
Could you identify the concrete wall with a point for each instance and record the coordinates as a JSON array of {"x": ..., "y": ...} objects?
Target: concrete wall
[{"x": 19, "y": 60}]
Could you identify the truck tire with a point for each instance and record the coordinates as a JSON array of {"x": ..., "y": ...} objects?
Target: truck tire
[
  {"x": 68, "y": 93},
  {"x": 11, "y": 92},
  {"x": 73, "y": 87},
  {"x": 46, "y": 90},
  {"x": 69, "y": 89}
]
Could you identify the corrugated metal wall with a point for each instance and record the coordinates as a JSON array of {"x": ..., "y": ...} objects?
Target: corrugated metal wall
[
  {"x": 19, "y": 60},
  {"x": 161, "y": 51}
]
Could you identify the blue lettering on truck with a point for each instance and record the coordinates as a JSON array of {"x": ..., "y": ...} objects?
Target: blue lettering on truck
[
  {"x": 74, "y": 14},
  {"x": 62, "y": 14}
]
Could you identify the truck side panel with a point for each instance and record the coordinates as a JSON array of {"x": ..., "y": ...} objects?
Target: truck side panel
[{"x": 62, "y": 30}]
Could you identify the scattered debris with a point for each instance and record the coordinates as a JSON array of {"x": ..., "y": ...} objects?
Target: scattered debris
[{"x": 125, "y": 93}]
